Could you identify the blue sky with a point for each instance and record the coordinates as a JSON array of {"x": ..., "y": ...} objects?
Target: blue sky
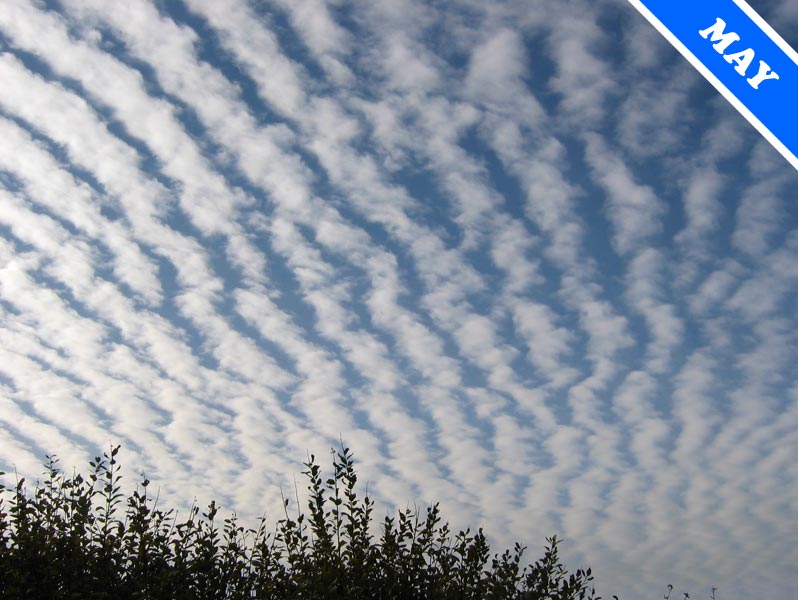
[{"x": 520, "y": 256}]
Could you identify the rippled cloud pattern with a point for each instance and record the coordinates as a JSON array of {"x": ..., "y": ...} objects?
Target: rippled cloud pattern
[{"x": 518, "y": 255}]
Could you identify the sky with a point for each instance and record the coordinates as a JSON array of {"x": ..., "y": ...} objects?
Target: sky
[{"x": 519, "y": 256}]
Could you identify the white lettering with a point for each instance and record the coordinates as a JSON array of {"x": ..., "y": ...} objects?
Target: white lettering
[
  {"x": 743, "y": 60},
  {"x": 724, "y": 40},
  {"x": 764, "y": 74}
]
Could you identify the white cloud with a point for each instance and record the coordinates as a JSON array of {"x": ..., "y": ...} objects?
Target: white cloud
[
  {"x": 582, "y": 78},
  {"x": 634, "y": 210},
  {"x": 702, "y": 202},
  {"x": 495, "y": 77},
  {"x": 548, "y": 344},
  {"x": 645, "y": 292},
  {"x": 761, "y": 211}
]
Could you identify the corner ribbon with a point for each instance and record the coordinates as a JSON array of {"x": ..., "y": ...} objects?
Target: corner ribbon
[{"x": 739, "y": 54}]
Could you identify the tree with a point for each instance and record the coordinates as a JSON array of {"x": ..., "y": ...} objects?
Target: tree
[{"x": 80, "y": 537}]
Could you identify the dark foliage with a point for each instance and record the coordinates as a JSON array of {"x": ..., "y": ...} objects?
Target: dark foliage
[{"x": 80, "y": 538}]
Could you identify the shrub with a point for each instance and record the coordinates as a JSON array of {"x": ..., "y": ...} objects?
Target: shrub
[{"x": 79, "y": 537}]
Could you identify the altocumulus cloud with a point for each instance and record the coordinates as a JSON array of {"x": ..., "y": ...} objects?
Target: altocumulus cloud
[{"x": 519, "y": 255}]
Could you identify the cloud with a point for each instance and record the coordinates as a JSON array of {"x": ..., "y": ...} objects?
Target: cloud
[
  {"x": 583, "y": 79},
  {"x": 633, "y": 209},
  {"x": 761, "y": 210},
  {"x": 645, "y": 290}
]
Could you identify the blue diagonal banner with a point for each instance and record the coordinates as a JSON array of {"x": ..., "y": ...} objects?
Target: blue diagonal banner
[{"x": 742, "y": 56}]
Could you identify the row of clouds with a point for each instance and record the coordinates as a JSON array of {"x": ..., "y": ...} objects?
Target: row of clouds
[{"x": 521, "y": 259}]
